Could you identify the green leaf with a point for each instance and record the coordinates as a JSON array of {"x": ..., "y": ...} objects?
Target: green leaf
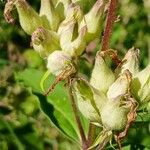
[
  {"x": 56, "y": 105},
  {"x": 30, "y": 78}
]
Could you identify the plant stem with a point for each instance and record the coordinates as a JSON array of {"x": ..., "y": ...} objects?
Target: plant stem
[
  {"x": 111, "y": 17},
  {"x": 77, "y": 117},
  {"x": 91, "y": 134}
]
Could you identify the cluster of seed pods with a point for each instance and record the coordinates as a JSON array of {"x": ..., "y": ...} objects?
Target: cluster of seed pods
[
  {"x": 61, "y": 30},
  {"x": 60, "y": 33}
]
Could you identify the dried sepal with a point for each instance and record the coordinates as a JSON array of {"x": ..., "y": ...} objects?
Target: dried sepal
[
  {"x": 66, "y": 72},
  {"x": 7, "y": 11}
]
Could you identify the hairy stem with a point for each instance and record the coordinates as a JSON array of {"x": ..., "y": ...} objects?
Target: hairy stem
[
  {"x": 77, "y": 117},
  {"x": 111, "y": 17}
]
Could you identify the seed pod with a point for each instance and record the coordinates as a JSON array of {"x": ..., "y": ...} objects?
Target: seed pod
[
  {"x": 120, "y": 87},
  {"x": 131, "y": 61},
  {"x": 114, "y": 117},
  {"x": 90, "y": 101},
  {"x": 48, "y": 11},
  {"x": 102, "y": 76},
  {"x": 74, "y": 16},
  {"x": 57, "y": 62},
  {"x": 45, "y": 41},
  {"x": 141, "y": 84},
  {"x": 93, "y": 21},
  {"x": 71, "y": 42},
  {"x": 29, "y": 19},
  {"x": 76, "y": 47}
]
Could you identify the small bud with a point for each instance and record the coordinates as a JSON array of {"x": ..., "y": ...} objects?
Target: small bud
[
  {"x": 57, "y": 62},
  {"x": 131, "y": 61},
  {"x": 140, "y": 86},
  {"x": 102, "y": 76},
  {"x": 120, "y": 87},
  {"x": 45, "y": 41},
  {"x": 29, "y": 19},
  {"x": 93, "y": 20},
  {"x": 48, "y": 11}
]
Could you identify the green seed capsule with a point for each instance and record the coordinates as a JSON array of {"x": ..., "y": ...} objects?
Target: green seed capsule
[
  {"x": 93, "y": 21},
  {"x": 102, "y": 76},
  {"x": 48, "y": 11},
  {"x": 131, "y": 61},
  {"x": 45, "y": 41},
  {"x": 72, "y": 42},
  {"x": 120, "y": 87},
  {"x": 113, "y": 116},
  {"x": 29, "y": 19}
]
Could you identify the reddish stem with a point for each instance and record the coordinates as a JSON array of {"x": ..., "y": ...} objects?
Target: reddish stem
[
  {"x": 77, "y": 117},
  {"x": 111, "y": 17}
]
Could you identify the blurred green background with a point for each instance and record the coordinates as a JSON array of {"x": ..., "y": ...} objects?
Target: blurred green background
[{"x": 22, "y": 124}]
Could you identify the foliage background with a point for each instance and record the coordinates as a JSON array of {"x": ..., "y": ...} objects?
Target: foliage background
[{"x": 22, "y": 123}]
